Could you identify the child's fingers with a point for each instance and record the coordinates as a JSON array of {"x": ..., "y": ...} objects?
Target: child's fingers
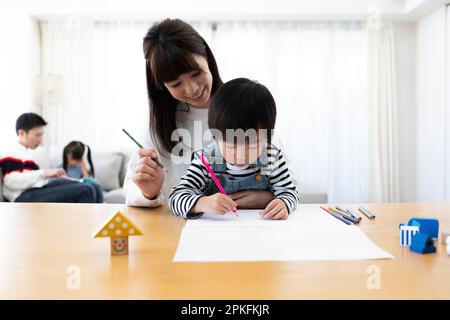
[
  {"x": 226, "y": 204},
  {"x": 223, "y": 208},
  {"x": 269, "y": 207},
  {"x": 219, "y": 207},
  {"x": 271, "y": 213},
  {"x": 282, "y": 215},
  {"x": 278, "y": 207},
  {"x": 231, "y": 203}
]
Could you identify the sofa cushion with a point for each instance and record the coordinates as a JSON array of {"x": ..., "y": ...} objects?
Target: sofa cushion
[
  {"x": 114, "y": 196},
  {"x": 309, "y": 194},
  {"x": 107, "y": 169}
]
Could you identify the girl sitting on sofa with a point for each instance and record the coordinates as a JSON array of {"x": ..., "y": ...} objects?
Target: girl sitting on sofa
[{"x": 77, "y": 162}]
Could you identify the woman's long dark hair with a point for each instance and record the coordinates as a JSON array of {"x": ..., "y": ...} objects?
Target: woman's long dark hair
[
  {"x": 168, "y": 48},
  {"x": 76, "y": 149}
]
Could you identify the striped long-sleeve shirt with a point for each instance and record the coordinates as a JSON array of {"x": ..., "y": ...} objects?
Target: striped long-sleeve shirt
[{"x": 196, "y": 179}]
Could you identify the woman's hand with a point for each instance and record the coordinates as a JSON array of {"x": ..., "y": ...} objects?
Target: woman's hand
[
  {"x": 275, "y": 210},
  {"x": 252, "y": 199},
  {"x": 216, "y": 204},
  {"x": 148, "y": 176}
]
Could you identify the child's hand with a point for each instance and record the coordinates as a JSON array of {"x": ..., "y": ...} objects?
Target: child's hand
[
  {"x": 275, "y": 210},
  {"x": 216, "y": 204}
]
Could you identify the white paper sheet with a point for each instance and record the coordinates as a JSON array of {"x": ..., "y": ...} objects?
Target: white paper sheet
[{"x": 307, "y": 235}]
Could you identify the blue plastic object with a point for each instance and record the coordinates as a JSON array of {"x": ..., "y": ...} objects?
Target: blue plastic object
[
  {"x": 88, "y": 180},
  {"x": 422, "y": 243},
  {"x": 428, "y": 226}
]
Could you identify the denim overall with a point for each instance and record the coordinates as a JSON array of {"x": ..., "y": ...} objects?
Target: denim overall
[{"x": 258, "y": 180}]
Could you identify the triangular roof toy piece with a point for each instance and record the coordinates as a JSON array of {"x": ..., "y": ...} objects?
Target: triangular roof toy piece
[{"x": 118, "y": 228}]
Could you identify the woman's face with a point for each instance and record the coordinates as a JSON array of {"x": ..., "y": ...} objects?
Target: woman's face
[{"x": 193, "y": 88}]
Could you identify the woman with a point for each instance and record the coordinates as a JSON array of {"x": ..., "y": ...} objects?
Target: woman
[{"x": 182, "y": 77}]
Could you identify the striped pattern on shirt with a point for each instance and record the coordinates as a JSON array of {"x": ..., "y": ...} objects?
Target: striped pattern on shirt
[{"x": 192, "y": 184}]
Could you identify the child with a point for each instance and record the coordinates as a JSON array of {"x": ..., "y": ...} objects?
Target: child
[
  {"x": 75, "y": 155},
  {"x": 241, "y": 105},
  {"x": 74, "y": 163}
]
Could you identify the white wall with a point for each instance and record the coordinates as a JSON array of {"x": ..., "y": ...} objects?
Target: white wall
[
  {"x": 430, "y": 115},
  {"x": 19, "y": 64}
]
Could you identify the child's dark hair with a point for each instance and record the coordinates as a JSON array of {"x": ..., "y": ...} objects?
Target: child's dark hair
[
  {"x": 168, "y": 48},
  {"x": 242, "y": 104},
  {"x": 76, "y": 149},
  {"x": 28, "y": 121}
]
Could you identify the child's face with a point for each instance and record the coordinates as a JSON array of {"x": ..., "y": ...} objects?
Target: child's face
[
  {"x": 241, "y": 154},
  {"x": 193, "y": 88}
]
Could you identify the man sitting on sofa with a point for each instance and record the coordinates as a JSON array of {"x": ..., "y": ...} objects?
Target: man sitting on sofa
[{"x": 24, "y": 181}]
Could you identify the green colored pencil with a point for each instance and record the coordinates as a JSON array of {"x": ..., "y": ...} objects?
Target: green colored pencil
[
  {"x": 366, "y": 212},
  {"x": 140, "y": 146}
]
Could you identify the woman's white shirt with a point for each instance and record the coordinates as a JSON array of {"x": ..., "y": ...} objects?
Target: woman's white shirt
[{"x": 193, "y": 126}]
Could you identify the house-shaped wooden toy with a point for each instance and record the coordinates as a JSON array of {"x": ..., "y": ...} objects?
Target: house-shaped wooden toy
[{"x": 118, "y": 228}]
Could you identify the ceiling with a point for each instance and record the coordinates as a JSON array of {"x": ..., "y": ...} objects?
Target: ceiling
[{"x": 395, "y": 10}]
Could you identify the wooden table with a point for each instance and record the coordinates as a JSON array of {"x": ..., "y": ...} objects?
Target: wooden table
[{"x": 43, "y": 246}]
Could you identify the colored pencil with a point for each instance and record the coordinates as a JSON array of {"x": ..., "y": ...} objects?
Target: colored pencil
[
  {"x": 350, "y": 213},
  {"x": 213, "y": 176},
  {"x": 353, "y": 214},
  {"x": 336, "y": 216},
  {"x": 366, "y": 212},
  {"x": 140, "y": 146},
  {"x": 344, "y": 215}
]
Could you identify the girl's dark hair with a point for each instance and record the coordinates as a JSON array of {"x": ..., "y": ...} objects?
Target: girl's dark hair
[
  {"x": 168, "y": 48},
  {"x": 77, "y": 149},
  {"x": 242, "y": 104}
]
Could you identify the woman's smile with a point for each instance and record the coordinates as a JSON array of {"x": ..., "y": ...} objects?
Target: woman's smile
[{"x": 199, "y": 96}]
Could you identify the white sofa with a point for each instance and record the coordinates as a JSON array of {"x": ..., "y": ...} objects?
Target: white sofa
[{"x": 110, "y": 170}]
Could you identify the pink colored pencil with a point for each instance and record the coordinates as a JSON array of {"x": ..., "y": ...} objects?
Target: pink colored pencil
[{"x": 213, "y": 176}]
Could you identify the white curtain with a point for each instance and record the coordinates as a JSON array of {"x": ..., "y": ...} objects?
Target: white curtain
[
  {"x": 317, "y": 73},
  {"x": 102, "y": 66},
  {"x": 383, "y": 150},
  {"x": 103, "y": 70}
]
